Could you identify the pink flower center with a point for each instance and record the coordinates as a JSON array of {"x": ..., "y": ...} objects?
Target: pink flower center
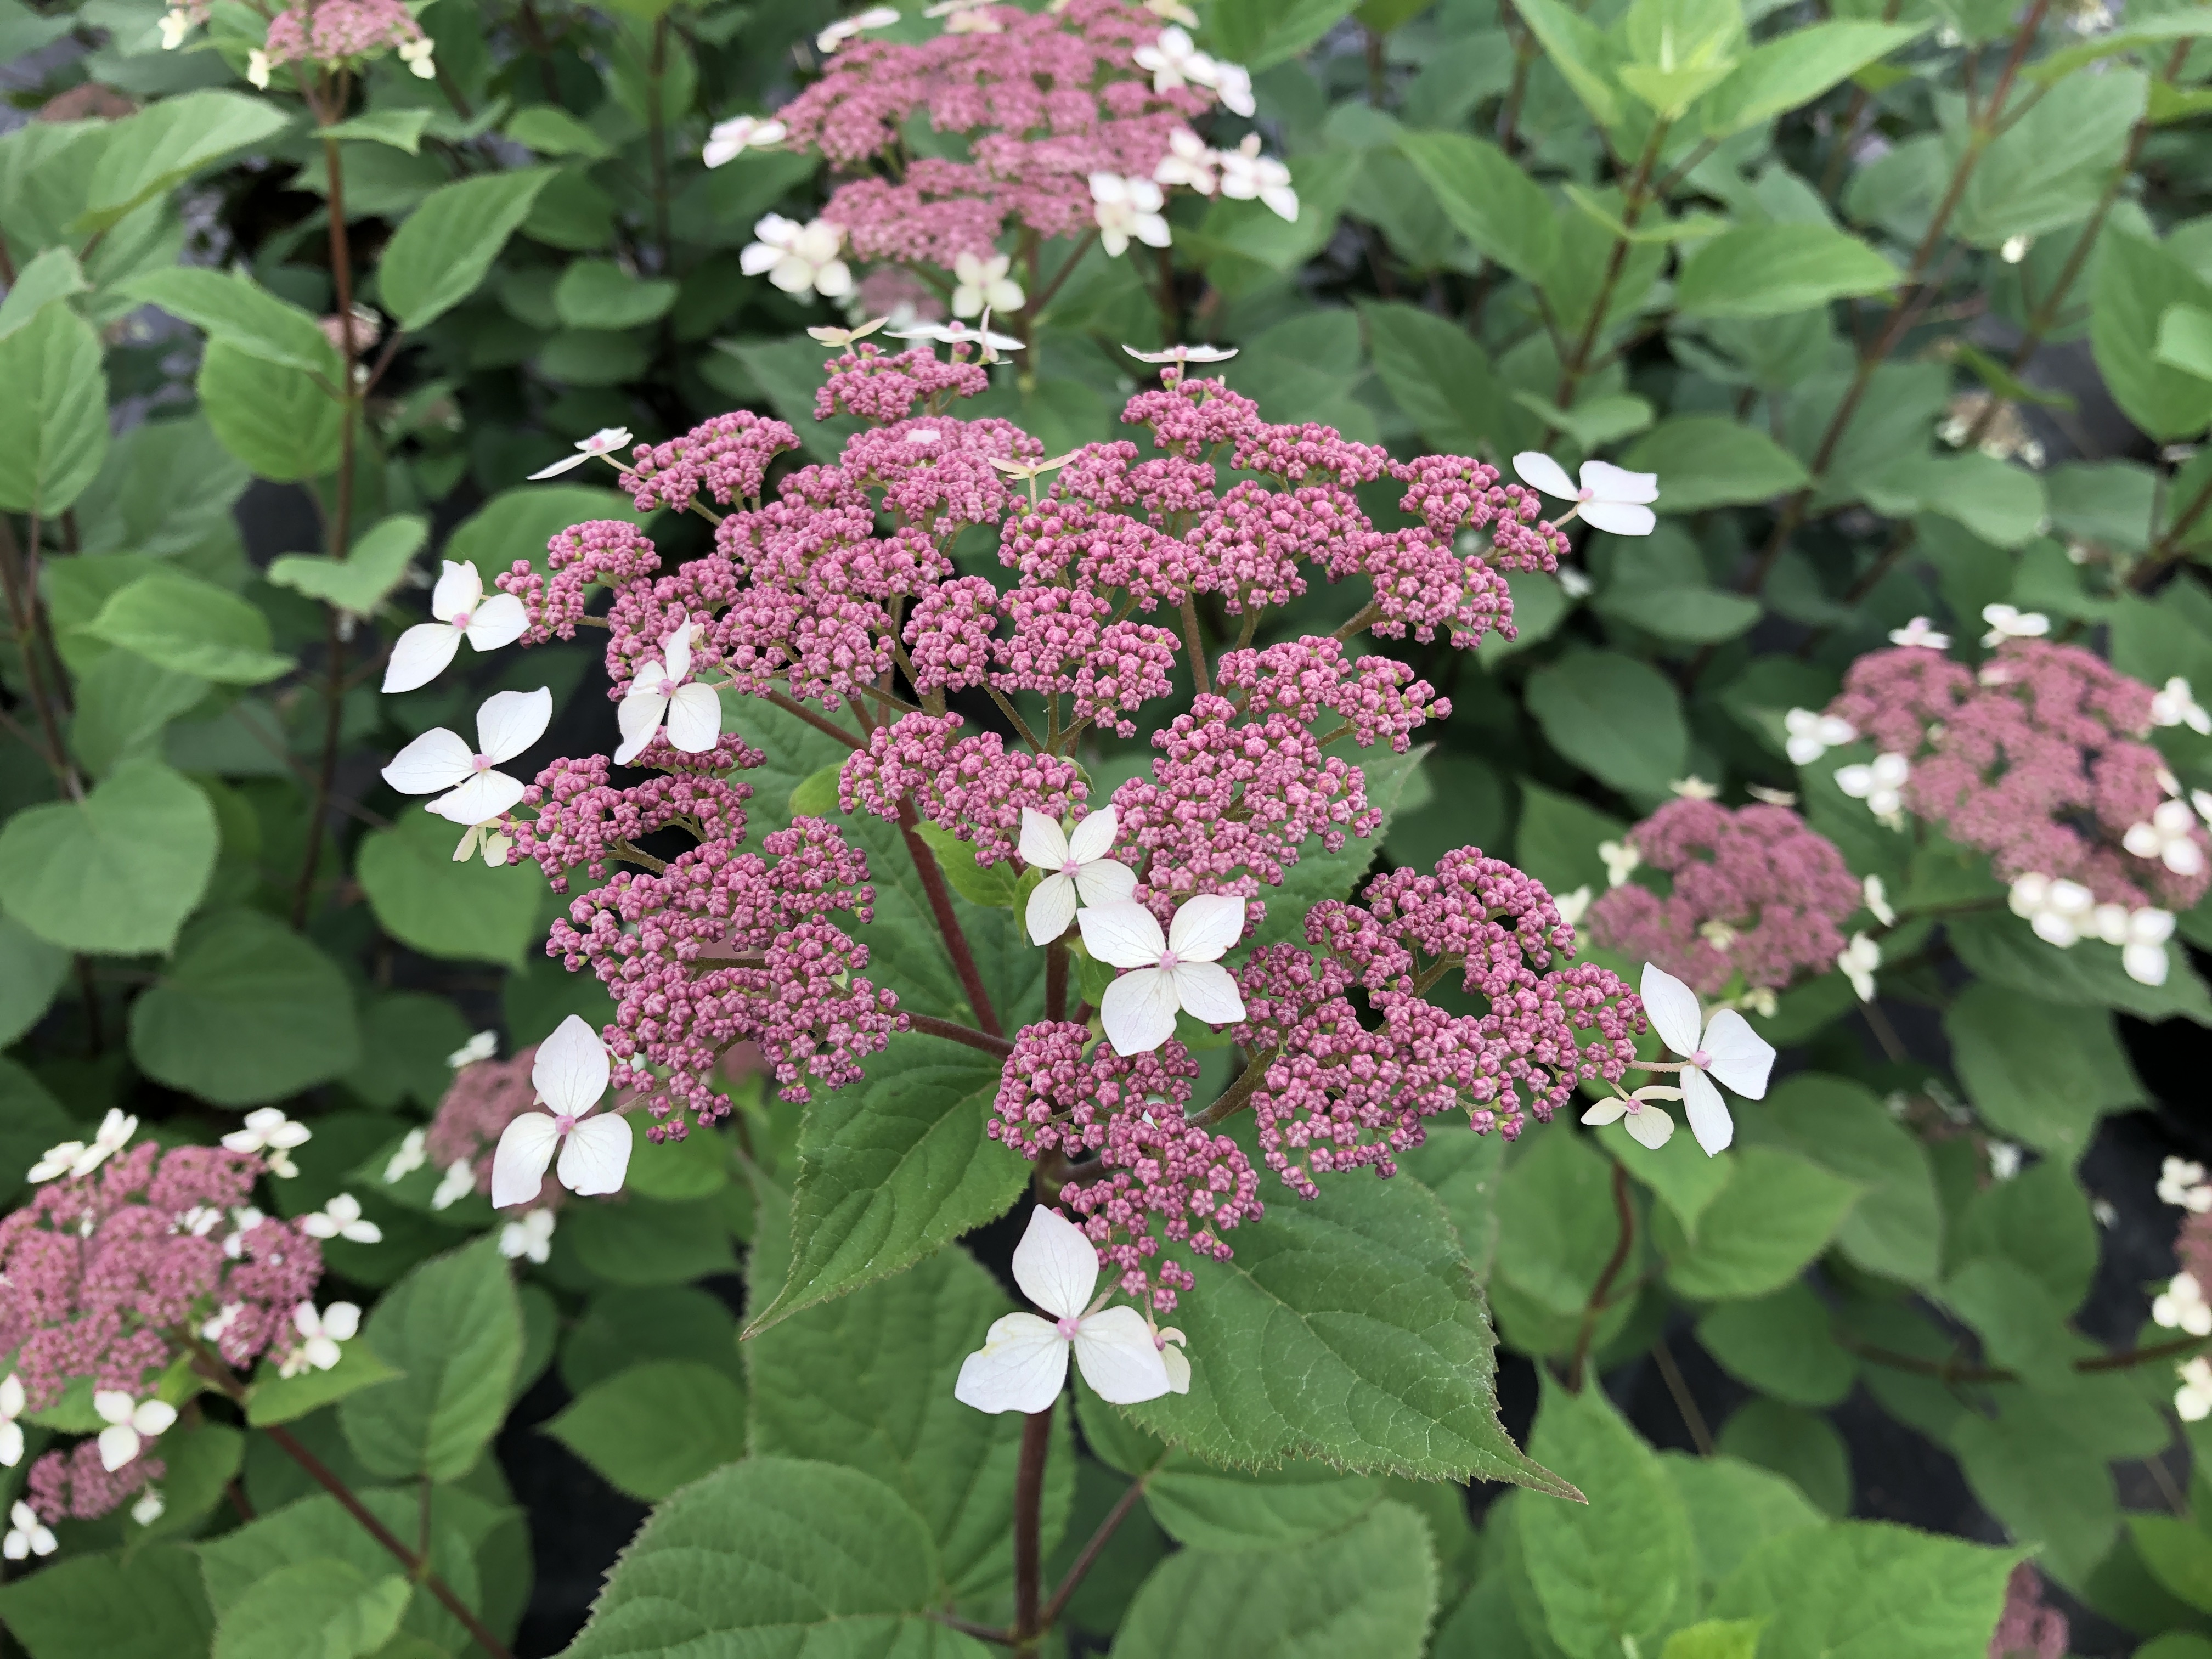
[
  {"x": 482, "y": 763},
  {"x": 563, "y": 1122},
  {"x": 1067, "y": 1329},
  {"x": 460, "y": 621},
  {"x": 1169, "y": 960},
  {"x": 1701, "y": 1060}
]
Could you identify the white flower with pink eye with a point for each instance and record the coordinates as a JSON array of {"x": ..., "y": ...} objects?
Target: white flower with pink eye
[
  {"x": 799, "y": 257},
  {"x": 1879, "y": 783},
  {"x": 2010, "y": 623},
  {"x": 604, "y": 441},
  {"x": 1127, "y": 209},
  {"x": 1917, "y": 634},
  {"x": 959, "y": 333},
  {"x": 1727, "y": 1049},
  {"x": 75, "y": 1159},
  {"x": 463, "y": 613},
  {"x": 28, "y": 1535},
  {"x": 1179, "y": 354},
  {"x": 131, "y": 1423},
  {"x": 731, "y": 138},
  {"x": 273, "y": 1135},
  {"x": 1248, "y": 176},
  {"x": 531, "y": 1237},
  {"x": 982, "y": 285},
  {"x": 570, "y": 1075},
  {"x": 1233, "y": 81},
  {"x": 508, "y": 723},
  {"x": 664, "y": 689},
  {"x": 1022, "y": 1363},
  {"x": 342, "y": 1218},
  {"x": 2177, "y": 705},
  {"x": 876, "y": 17},
  {"x": 1649, "y": 1124},
  {"x": 2168, "y": 835},
  {"x": 1608, "y": 498},
  {"x": 415, "y": 54},
  {"x": 1189, "y": 160},
  {"x": 320, "y": 1333},
  {"x": 1182, "y": 970},
  {"x": 1078, "y": 869},
  {"x": 1175, "y": 60}
]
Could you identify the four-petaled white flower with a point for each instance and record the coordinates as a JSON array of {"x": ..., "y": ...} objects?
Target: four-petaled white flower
[
  {"x": 1917, "y": 632},
  {"x": 2009, "y": 623},
  {"x": 1879, "y": 783},
  {"x": 483, "y": 1045},
  {"x": 570, "y": 1075},
  {"x": 799, "y": 257},
  {"x": 1125, "y": 207},
  {"x": 841, "y": 338},
  {"x": 1077, "y": 869},
  {"x": 1175, "y": 60},
  {"x": 411, "y": 1156},
  {"x": 12, "y": 1401},
  {"x": 531, "y": 1237},
  {"x": 2141, "y": 934},
  {"x": 1182, "y": 971},
  {"x": 1232, "y": 83},
  {"x": 1877, "y": 901},
  {"x": 1859, "y": 960},
  {"x": 269, "y": 1132},
  {"x": 415, "y": 54},
  {"x": 26, "y": 1534},
  {"x": 1189, "y": 160},
  {"x": 1621, "y": 859},
  {"x": 508, "y": 723},
  {"x": 76, "y": 1158},
  {"x": 1022, "y": 1363},
  {"x": 341, "y": 1218},
  {"x": 983, "y": 285},
  {"x": 1648, "y": 1124},
  {"x": 1179, "y": 354},
  {"x": 2168, "y": 835},
  {"x": 2192, "y": 1400},
  {"x": 1693, "y": 788},
  {"x": 463, "y": 613},
  {"x": 2177, "y": 705},
  {"x": 1813, "y": 734},
  {"x": 876, "y": 17},
  {"x": 320, "y": 1335},
  {"x": 2181, "y": 1306},
  {"x": 1727, "y": 1049},
  {"x": 958, "y": 333},
  {"x": 1608, "y": 498},
  {"x": 665, "y": 690},
  {"x": 731, "y": 138},
  {"x": 2182, "y": 1182},
  {"x": 131, "y": 1423},
  {"x": 2059, "y": 911},
  {"x": 1248, "y": 176},
  {"x": 456, "y": 1184},
  {"x": 1573, "y": 907},
  {"x": 604, "y": 441}
]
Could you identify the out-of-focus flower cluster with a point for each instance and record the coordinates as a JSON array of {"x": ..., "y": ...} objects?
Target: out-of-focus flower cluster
[
  {"x": 335, "y": 32},
  {"x": 2028, "y": 1628}
]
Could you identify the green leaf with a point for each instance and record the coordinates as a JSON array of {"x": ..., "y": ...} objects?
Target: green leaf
[
  {"x": 374, "y": 565},
  {"x": 990, "y": 886},
  {"x": 1369, "y": 1590},
  {"x": 31, "y": 972},
  {"x": 1688, "y": 615},
  {"x": 1463, "y": 1169},
  {"x": 1781, "y": 1344},
  {"x": 2000, "y": 947},
  {"x": 679, "y": 1170},
  {"x": 645, "y": 1241},
  {"x": 53, "y": 422},
  {"x": 2138, "y": 282},
  {"x": 2184, "y": 340},
  {"x": 240, "y": 311},
  {"x": 2021, "y": 1326},
  {"x": 104, "y": 1606},
  {"x": 1864, "y": 1586},
  {"x": 1897, "y": 1228},
  {"x": 656, "y": 1426},
  {"x": 401, "y": 128},
  {"x": 600, "y": 294},
  {"x": 200, "y": 1463},
  {"x": 1439, "y": 376},
  {"x": 1771, "y": 270},
  {"x": 116, "y": 873},
  {"x": 1682, "y": 1172},
  {"x": 1486, "y": 194},
  {"x": 1607, "y": 1572},
  {"x": 516, "y": 523},
  {"x": 321, "y": 1609},
  {"x": 1351, "y": 1330},
  {"x": 2179, "y": 1555},
  {"x": 54, "y": 274},
  {"x": 2039, "y": 1220},
  {"x": 2138, "y": 31},
  {"x": 247, "y": 1011},
  {"x": 2001, "y": 503},
  {"x": 167, "y": 488},
  {"x": 1734, "y": 1507},
  {"x": 1582, "y": 55},
  {"x": 1616, "y": 718},
  {"x": 1799, "y": 1446},
  {"x": 891, "y": 1168},
  {"x": 551, "y": 130},
  {"x": 1793, "y": 70},
  {"x": 771, "y": 1555},
  {"x": 443, "y": 249},
  {"x": 1558, "y": 838},
  {"x": 277, "y": 420},
  {"x": 2041, "y": 1074},
  {"x": 2049, "y": 167},
  {"x": 621, "y": 1327},
  {"x": 1715, "y": 1638},
  {"x": 1262, "y": 34},
  {"x": 1231, "y": 1512},
  {"x": 1776, "y": 1214},
  {"x": 452, "y": 1329},
  {"x": 180, "y": 622},
  {"x": 286, "y": 1398},
  {"x": 167, "y": 142},
  {"x": 124, "y": 704},
  {"x": 1709, "y": 460},
  {"x": 459, "y": 910}
]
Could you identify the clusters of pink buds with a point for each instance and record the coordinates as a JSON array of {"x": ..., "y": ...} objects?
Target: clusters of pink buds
[
  {"x": 342, "y": 31},
  {"x": 2029, "y": 1628}
]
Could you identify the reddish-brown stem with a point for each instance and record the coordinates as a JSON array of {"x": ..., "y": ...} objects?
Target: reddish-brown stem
[
  {"x": 1631, "y": 210},
  {"x": 1091, "y": 1551},
  {"x": 952, "y": 1031},
  {"x": 2169, "y": 544},
  {"x": 1600, "y": 1291},
  {"x": 1029, "y": 1509},
  {"x": 1056, "y": 981},
  {"x": 349, "y": 406},
  {"x": 1948, "y": 1371},
  {"x": 22, "y": 600},
  {"x": 326, "y": 772},
  {"x": 1234, "y": 1097},
  {"x": 948, "y": 921},
  {"x": 657, "y": 137}
]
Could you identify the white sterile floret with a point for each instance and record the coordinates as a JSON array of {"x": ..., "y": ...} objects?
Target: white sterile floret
[
  {"x": 570, "y": 1074},
  {"x": 1022, "y": 1363},
  {"x": 1877, "y": 901},
  {"x": 415, "y": 54},
  {"x": 2182, "y": 1182},
  {"x": 2059, "y": 911},
  {"x": 799, "y": 257},
  {"x": 830, "y": 334},
  {"x": 1182, "y": 970},
  {"x": 2177, "y": 705},
  {"x": 176, "y": 24},
  {"x": 1880, "y": 784},
  {"x": 1813, "y": 734},
  {"x": 1078, "y": 869},
  {"x": 508, "y": 723},
  {"x": 495, "y": 842},
  {"x": 320, "y": 1333},
  {"x": 2004, "y": 1160},
  {"x": 27, "y": 1535},
  {"x": 411, "y": 1156},
  {"x": 2192, "y": 1400},
  {"x": 12, "y": 1401},
  {"x": 958, "y": 333},
  {"x": 131, "y": 1423},
  {"x": 982, "y": 285},
  {"x": 1573, "y": 907},
  {"x": 1232, "y": 83},
  {"x": 1859, "y": 962},
  {"x": 1727, "y": 1049},
  {"x": 1127, "y": 209},
  {"x": 2168, "y": 835},
  {"x": 664, "y": 690},
  {"x": 1175, "y": 60},
  {"x": 2007, "y": 622},
  {"x": 483, "y": 1045},
  {"x": 1648, "y": 1124},
  {"x": 1248, "y": 176},
  {"x": 272, "y": 1134},
  {"x": 456, "y": 1184},
  {"x": 731, "y": 138},
  {"x": 1693, "y": 788},
  {"x": 342, "y": 1218},
  {"x": 2181, "y": 1306},
  {"x": 1608, "y": 498},
  {"x": 837, "y": 33},
  {"x": 76, "y": 1158},
  {"x": 1179, "y": 354},
  {"x": 1919, "y": 633},
  {"x": 532, "y": 1236},
  {"x": 463, "y": 613},
  {"x": 1621, "y": 860},
  {"x": 604, "y": 441},
  {"x": 1190, "y": 160},
  {"x": 2141, "y": 937},
  {"x": 150, "y": 1507}
]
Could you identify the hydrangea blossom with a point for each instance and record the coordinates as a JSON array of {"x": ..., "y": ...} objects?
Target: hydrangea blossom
[
  {"x": 570, "y": 1074},
  {"x": 463, "y": 613},
  {"x": 1723, "y": 1047}
]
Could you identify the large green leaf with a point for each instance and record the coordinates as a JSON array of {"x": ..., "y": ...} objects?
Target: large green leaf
[
  {"x": 247, "y": 1011},
  {"x": 443, "y": 907},
  {"x": 446, "y": 246},
  {"x": 275, "y": 419},
  {"x": 365, "y": 578},
  {"x": 2138, "y": 281},
  {"x": 124, "y": 704},
  {"x": 193, "y": 627},
  {"x": 1999, "y": 946},
  {"x": 31, "y": 972},
  {"x": 166, "y": 488},
  {"x": 2001, "y": 503},
  {"x": 1794, "y": 69},
  {"x": 1709, "y": 460},
  {"x": 328, "y": 1609},
  {"x": 1896, "y": 1229},
  {"x": 1495, "y": 205},
  {"x": 771, "y": 1556},
  {"x": 1778, "y": 1212},
  {"x": 1734, "y": 1507},
  {"x": 147, "y": 1605},
  {"x": 1261, "y": 34},
  {"x": 1579, "y": 51},
  {"x": 1858, "y": 1589},
  {"x": 1619, "y": 717},
  {"x": 2041, "y": 1074},
  {"x": 454, "y": 1329},
  {"x": 168, "y": 142},
  {"x": 53, "y": 420},
  {"x": 2049, "y": 166},
  {"x": 239, "y": 311},
  {"x": 1782, "y": 1345},
  {"x": 116, "y": 873},
  {"x": 1439, "y": 376},
  {"x": 1771, "y": 270},
  {"x": 656, "y": 1426}
]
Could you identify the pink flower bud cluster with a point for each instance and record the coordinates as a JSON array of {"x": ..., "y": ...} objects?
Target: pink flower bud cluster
[
  {"x": 1045, "y": 100},
  {"x": 2037, "y": 760},
  {"x": 2028, "y": 1629},
  {"x": 727, "y": 947},
  {"x": 605, "y": 550},
  {"x": 483, "y": 1099},
  {"x": 582, "y": 819},
  {"x": 1757, "y": 893},
  {"x": 1343, "y": 1092},
  {"x": 333, "y": 31},
  {"x": 970, "y": 785},
  {"x": 728, "y": 457},
  {"x": 1139, "y": 1175},
  {"x": 880, "y": 387},
  {"x": 2193, "y": 1246},
  {"x": 75, "y": 1486}
]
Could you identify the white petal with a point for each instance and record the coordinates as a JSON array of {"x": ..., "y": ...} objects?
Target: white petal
[
  {"x": 118, "y": 1446},
  {"x": 1540, "y": 471},
  {"x": 458, "y": 589},
  {"x": 639, "y": 715},
  {"x": 1207, "y": 992},
  {"x": 1051, "y": 908},
  {"x": 1103, "y": 881},
  {"x": 1114, "y": 1351},
  {"x": 570, "y": 1071},
  {"x": 341, "y": 1320},
  {"x": 1608, "y": 482},
  {"x": 1043, "y": 846},
  {"x": 420, "y": 655},
  {"x": 1619, "y": 518},
  {"x": 1021, "y": 1367},
  {"x": 1609, "y": 1110},
  {"x": 1178, "y": 1369},
  {"x": 438, "y": 759},
  {"x": 1651, "y": 1127},
  {"x": 112, "y": 1406},
  {"x": 676, "y": 652},
  {"x": 12, "y": 1398},
  {"x": 11, "y": 1444},
  {"x": 1138, "y": 1008},
  {"x": 486, "y": 795},
  {"x": 1709, "y": 1113},
  {"x": 1672, "y": 1007},
  {"x": 1741, "y": 1057},
  {"x": 695, "y": 718},
  {"x": 518, "y": 1168},
  {"x": 1205, "y": 927},
  {"x": 596, "y": 1156},
  {"x": 1056, "y": 1264},
  {"x": 510, "y": 721},
  {"x": 154, "y": 1417},
  {"x": 1093, "y": 838},
  {"x": 570, "y": 463},
  {"x": 499, "y": 620},
  {"x": 1122, "y": 935}
]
